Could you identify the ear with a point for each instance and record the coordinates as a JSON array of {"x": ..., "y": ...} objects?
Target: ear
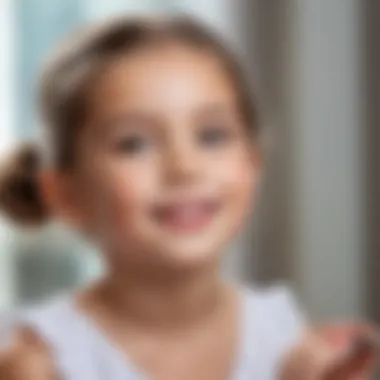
[{"x": 60, "y": 195}]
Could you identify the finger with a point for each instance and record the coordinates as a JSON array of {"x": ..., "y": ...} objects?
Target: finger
[
  {"x": 341, "y": 334},
  {"x": 352, "y": 365},
  {"x": 358, "y": 345},
  {"x": 314, "y": 357}
]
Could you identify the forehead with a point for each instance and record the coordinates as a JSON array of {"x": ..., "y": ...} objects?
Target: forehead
[{"x": 163, "y": 78}]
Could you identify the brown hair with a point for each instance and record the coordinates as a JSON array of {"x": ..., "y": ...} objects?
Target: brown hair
[{"x": 66, "y": 81}]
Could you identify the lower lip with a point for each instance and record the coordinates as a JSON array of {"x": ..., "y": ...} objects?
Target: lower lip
[{"x": 177, "y": 223}]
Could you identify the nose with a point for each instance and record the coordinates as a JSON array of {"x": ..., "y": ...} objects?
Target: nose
[{"x": 183, "y": 164}]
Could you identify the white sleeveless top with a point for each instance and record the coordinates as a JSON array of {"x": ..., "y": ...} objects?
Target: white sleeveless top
[{"x": 271, "y": 323}]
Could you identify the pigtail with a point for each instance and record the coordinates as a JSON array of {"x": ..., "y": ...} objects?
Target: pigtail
[{"x": 20, "y": 195}]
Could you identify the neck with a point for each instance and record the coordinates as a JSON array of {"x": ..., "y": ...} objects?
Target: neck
[{"x": 167, "y": 301}]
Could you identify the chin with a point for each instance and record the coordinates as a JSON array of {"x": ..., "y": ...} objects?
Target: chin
[
  {"x": 192, "y": 251},
  {"x": 189, "y": 256}
]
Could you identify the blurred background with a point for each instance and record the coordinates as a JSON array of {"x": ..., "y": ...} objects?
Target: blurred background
[{"x": 314, "y": 64}]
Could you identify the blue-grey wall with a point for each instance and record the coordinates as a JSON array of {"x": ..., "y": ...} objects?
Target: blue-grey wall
[{"x": 41, "y": 24}]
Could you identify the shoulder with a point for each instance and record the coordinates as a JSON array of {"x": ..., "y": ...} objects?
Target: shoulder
[
  {"x": 277, "y": 311},
  {"x": 273, "y": 322},
  {"x": 278, "y": 300}
]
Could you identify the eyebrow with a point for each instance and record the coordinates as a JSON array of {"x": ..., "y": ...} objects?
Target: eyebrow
[
  {"x": 215, "y": 109},
  {"x": 119, "y": 118}
]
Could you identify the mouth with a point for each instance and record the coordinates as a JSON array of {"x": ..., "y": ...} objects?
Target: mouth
[{"x": 186, "y": 216}]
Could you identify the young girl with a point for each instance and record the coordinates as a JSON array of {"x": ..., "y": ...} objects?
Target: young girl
[{"x": 154, "y": 156}]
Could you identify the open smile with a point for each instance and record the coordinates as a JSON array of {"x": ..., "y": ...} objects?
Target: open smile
[{"x": 186, "y": 215}]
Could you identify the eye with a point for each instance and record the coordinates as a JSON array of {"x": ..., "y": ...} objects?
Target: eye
[
  {"x": 133, "y": 145},
  {"x": 215, "y": 135}
]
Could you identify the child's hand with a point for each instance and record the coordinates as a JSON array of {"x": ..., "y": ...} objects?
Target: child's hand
[
  {"x": 27, "y": 359},
  {"x": 340, "y": 352}
]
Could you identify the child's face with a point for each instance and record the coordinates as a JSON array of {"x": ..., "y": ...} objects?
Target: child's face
[{"x": 166, "y": 168}]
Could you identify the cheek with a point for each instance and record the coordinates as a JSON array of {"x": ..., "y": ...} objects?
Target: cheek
[
  {"x": 129, "y": 189},
  {"x": 237, "y": 177},
  {"x": 240, "y": 188},
  {"x": 121, "y": 192}
]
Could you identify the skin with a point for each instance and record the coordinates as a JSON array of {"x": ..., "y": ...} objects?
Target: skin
[
  {"x": 164, "y": 130},
  {"x": 194, "y": 144}
]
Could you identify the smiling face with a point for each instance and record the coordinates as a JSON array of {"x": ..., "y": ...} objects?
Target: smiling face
[{"x": 166, "y": 168}]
